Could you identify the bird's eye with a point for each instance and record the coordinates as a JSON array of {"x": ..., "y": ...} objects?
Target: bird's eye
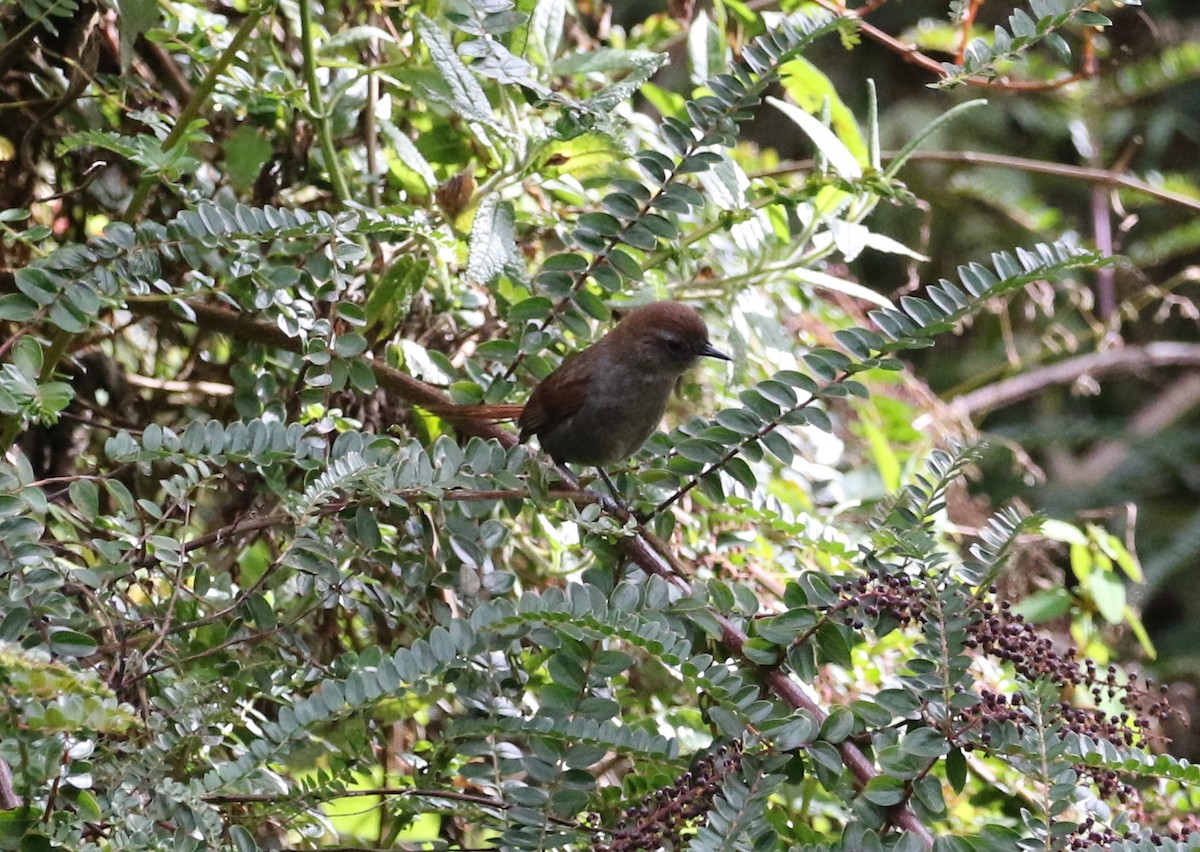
[{"x": 674, "y": 344}]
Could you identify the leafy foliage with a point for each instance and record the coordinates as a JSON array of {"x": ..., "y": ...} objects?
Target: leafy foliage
[
  {"x": 248, "y": 582},
  {"x": 984, "y": 57}
]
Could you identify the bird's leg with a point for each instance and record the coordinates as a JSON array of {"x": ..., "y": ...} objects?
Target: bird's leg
[
  {"x": 615, "y": 502},
  {"x": 612, "y": 488},
  {"x": 640, "y": 517}
]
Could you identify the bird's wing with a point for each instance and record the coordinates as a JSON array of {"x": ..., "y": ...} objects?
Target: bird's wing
[{"x": 559, "y": 397}]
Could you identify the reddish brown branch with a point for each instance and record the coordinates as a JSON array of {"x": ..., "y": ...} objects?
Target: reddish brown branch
[
  {"x": 652, "y": 555},
  {"x": 913, "y": 54},
  {"x": 968, "y": 25}
]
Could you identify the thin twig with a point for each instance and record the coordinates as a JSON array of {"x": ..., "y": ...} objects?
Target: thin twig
[
  {"x": 911, "y": 53},
  {"x": 1105, "y": 177},
  {"x": 1128, "y": 359}
]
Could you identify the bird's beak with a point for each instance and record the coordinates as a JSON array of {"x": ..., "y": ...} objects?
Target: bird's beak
[{"x": 711, "y": 351}]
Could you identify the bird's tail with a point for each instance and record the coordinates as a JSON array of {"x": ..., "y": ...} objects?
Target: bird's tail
[{"x": 498, "y": 412}]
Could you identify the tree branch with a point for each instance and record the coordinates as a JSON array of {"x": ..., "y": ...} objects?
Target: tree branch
[
  {"x": 1104, "y": 177},
  {"x": 1129, "y": 359},
  {"x": 912, "y": 54}
]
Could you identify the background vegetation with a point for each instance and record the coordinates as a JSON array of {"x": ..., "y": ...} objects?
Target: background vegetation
[{"x": 255, "y": 596}]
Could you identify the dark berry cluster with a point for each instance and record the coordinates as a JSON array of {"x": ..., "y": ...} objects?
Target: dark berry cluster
[
  {"x": 879, "y": 593},
  {"x": 1004, "y": 635},
  {"x": 997, "y": 632},
  {"x": 660, "y": 821},
  {"x": 1092, "y": 836}
]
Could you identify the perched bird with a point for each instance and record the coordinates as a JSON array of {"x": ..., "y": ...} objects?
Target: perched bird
[{"x": 601, "y": 405}]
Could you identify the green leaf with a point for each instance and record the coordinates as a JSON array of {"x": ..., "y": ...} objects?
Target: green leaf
[
  {"x": 698, "y": 450},
  {"x": 885, "y": 791},
  {"x": 533, "y": 308},
  {"x": 349, "y": 345},
  {"x": 261, "y": 612},
  {"x": 38, "y": 284},
  {"x": 136, "y": 18},
  {"x": 55, "y": 396},
  {"x": 247, "y": 150},
  {"x": 836, "y": 153},
  {"x": 786, "y": 628},
  {"x": 70, "y": 643},
  {"x": 742, "y": 473},
  {"x": 795, "y": 732},
  {"x": 826, "y": 754},
  {"x": 1062, "y": 531},
  {"x": 1093, "y": 19},
  {"x": 85, "y": 497},
  {"x": 900, "y": 702},
  {"x": 624, "y": 264},
  {"x": 17, "y": 307},
  {"x": 727, "y": 723},
  {"x": 492, "y": 246},
  {"x": 1044, "y": 605},
  {"x": 462, "y": 92},
  {"x": 956, "y": 770},
  {"x": 837, "y": 725},
  {"x": 243, "y": 840},
  {"x": 1108, "y": 591},
  {"x": 925, "y": 742}
]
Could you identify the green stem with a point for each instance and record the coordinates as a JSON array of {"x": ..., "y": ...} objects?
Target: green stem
[
  {"x": 192, "y": 109},
  {"x": 316, "y": 105}
]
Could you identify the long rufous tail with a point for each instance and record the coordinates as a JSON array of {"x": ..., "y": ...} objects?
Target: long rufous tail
[{"x": 487, "y": 412}]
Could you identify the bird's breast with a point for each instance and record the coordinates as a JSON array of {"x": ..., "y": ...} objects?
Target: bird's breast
[{"x": 620, "y": 411}]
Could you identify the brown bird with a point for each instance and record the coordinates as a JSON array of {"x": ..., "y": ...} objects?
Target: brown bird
[{"x": 601, "y": 405}]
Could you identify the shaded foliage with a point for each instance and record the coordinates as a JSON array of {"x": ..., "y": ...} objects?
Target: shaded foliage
[{"x": 253, "y": 587}]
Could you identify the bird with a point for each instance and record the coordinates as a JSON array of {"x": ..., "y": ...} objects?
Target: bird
[{"x": 601, "y": 405}]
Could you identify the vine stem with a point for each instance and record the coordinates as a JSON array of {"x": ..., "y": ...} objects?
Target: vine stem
[
  {"x": 199, "y": 98},
  {"x": 316, "y": 104}
]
